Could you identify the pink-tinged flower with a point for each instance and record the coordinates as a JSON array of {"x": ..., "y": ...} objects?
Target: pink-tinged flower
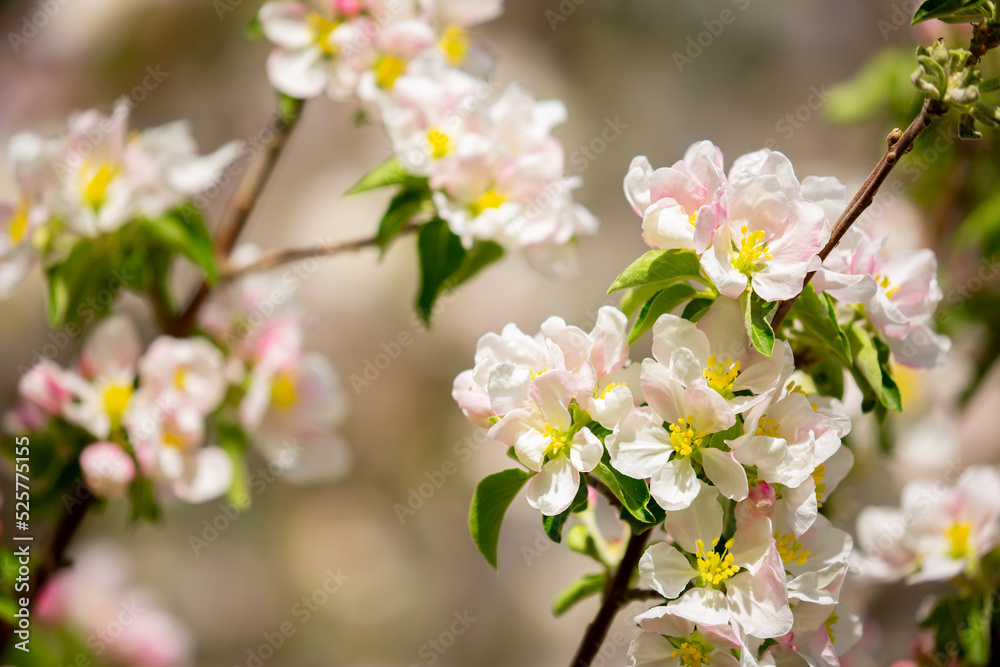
[
  {"x": 718, "y": 351},
  {"x": 109, "y": 177},
  {"x": 191, "y": 367},
  {"x": 801, "y": 503},
  {"x": 672, "y": 456},
  {"x": 815, "y": 561},
  {"x": 107, "y": 468},
  {"x": 939, "y": 532},
  {"x": 786, "y": 440},
  {"x": 819, "y": 635},
  {"x": 672, "y": 199},
  {"x": 668, "y": 640},
  {"x": 539, "y": 427},
  {"x": 103, "y": 390},
  {"x": 741, "y": 581},
  {"x": 168, "y": 434},
  {"x": 48, "y": 387},
  {"x": 767, "y": 240},
  {"x": 905, "y": 295},
  {"x": 32, "y": 160},
  {"x": 605, "y": 348},
  {"x": 467, "y": 13}
]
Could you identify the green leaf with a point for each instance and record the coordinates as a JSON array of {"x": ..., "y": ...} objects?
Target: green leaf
[
  {"x": 553, "y": 525},
  {"x": 184, "y": 231},
  {"x": 143, "y": 501},
  {"x": 83, "y": 286},
  {"x": 819, "y": 318},
  {"x": 635, "y": 298},
  {"x": 967, "y": 128},
  {"x": 478, "y": 257},
  {"x": 889, "y": 394},
  {"x": 990, "y": 85},
  {"x": 633, "y": 493},
  {"x": 698, "y": 307},
  {"x": 493, "y": 496},
  {"x": 987, "y": 114},
  {"x": 882, "y": 85},
  {"x": 233, "y": 440},
  {"x": 586, "y": 586},
  {"x": 659, "y": 266},
  {"x": 579, "y": 539},
  {"x": 954, "y": 11},
  {"x": 390, "y": 172},
  {"x": 756, "y": 317},
  {"x": 402, "y": 209},
  {"x": 872, "y": 370},
  {"x": 664, "y": 301},
  {"x": 441, "y": 254}
]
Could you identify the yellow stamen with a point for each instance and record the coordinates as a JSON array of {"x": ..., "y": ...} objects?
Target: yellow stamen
[
  {"x": 818, "y": 475},
  {"x": 439, "y": 141},
  {"x": 768, "y": 427},
  {"x": 180, "y": 377},
  {"x": 721, "y": 375},
  {"x": 713, "y": 567},
  {"x": 490, "y": 199},
  {"x": 829, "y": 623},
  {"x": 94, "y": 182},
  {"x": 534, "y": 374},
  {"x": 455, "y": 43},
  {"x": 388, "y": 69},
  {"x": 692, "y": 218},
  {"x": 790, "y": 549},
  {"x": 322, "y": 28},
  {"x": 19, "y": 223},
  {"x": 684, "y": 438},
  {"x": 890, "y": 289},
  {"x": 753, "y": 251},
  {"x": 116, "y": 398},
  {"x": 284, "y": 392},
  {"x": 559, "y": 442},
  {"x": 170, "y": 439},
  {"x": 607, "y": 390},
  {"x": 959, "y": 534},
  {"x": 693, "y": 651}
]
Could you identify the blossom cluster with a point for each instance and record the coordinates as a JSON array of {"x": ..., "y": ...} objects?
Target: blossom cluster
[
  {"x": 716, "y": 428},
  {"x": 93, "y": 180},
  {"x": 941, "y": 531},
  {"x": 494, "y": 171},
  {"x": 161, "y": 413}
]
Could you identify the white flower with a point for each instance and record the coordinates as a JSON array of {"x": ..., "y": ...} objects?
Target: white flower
[
  {"x": 541, "y": 430},
  {"x": 192, "y": 367},
  {"x": 668, "y": 640}
]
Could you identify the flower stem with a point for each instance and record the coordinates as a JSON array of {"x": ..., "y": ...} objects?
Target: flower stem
[{"x": 616, "y": 595}]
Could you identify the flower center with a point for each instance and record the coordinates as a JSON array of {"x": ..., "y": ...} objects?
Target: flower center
[
  {"x": 768, "y": 427},
  {"x": 693, "y": 651},
  {"x": 455, "y": 44},
  {"x": 959, "y": 535},
  {"x": 607, "y": 390},
  {"x": 439, "y": 141},
  {"x": 692, "y": 218},
  {"x": 322, "y": 28},
  {"x": 19, "y": 223},
  {"x": 790, "y": 549},
  {"x": 388, "y": 69},
  {"x": 283, "y": 391},
  {"x": 684, "y": 437},
  {"x": 490, "y": 199},
  {"x": 116, "y": 398},
  {"x": 180, "y": 378},
  {"x": 559, "y": 442},
  {"x": 721, "y": 374},
  {"x": 715, "y": 567},
  {"x": 171, "y": 439},
  {"x": 94, "y": 182},
  {"x": 818, "y": 475},
  {"x": 753, "y": 251},
  {"x": 889, "y": 288}
]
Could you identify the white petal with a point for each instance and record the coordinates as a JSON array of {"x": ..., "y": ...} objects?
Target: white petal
[
  {"x": 665, "y": 569},
  {"x": 675, "y": 485},
  {"x": 586, "y": 450},
  {"x": 726, "y": 473},
  {"x": 552, "y": 490},
  {"x": 704, "y": 606},
  {"x": 701, "y": 521}
]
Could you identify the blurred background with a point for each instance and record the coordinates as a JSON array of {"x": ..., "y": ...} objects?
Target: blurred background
[{"x": 663, "y": 74}]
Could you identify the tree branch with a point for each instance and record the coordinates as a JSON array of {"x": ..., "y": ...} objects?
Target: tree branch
[
  {"x": 242, "y": 205},
  {"x": 900, "y": 143},
  {"x": 602, "y": 488},
  {"x": 290, "y": 255},
  {"x": 616, "y": 595}
]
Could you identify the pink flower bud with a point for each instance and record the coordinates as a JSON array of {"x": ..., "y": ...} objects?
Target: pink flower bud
[
  {"x": 107, "y": 469},
  {"x": 348, "y": 8},
  {"x": 762, "y": 498}
]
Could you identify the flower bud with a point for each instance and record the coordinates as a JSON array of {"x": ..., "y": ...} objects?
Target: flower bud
[
  {"x": 762, "y": 498},
  {"x": 107, "y": 469}
]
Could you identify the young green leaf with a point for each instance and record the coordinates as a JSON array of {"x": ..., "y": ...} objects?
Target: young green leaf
[
  {"x": 403, "y": 208},
  {"x": 871, "y": 369},
  {"x": 698, "y": 307},
  {"x": 493, "y": 496},
  {"x": 954, "y": 11},
  {"x": 441, "y": 255},
  {"x": 586, "y": 586},
  {"x": 756, "y": 317},
  {"x": 184, "y": 232},
  {"x": 662, "y": 302},
  {"x": 817, "y": 315},
  {"x": 633, "y": 493},
  {"x": 479, "y": 256},
  {"x": 390, "y": 172},
  {"x": 659, "y": 266}
]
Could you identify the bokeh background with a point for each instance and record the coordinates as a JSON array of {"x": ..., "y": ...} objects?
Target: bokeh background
[{"x": 614, "y": 64}]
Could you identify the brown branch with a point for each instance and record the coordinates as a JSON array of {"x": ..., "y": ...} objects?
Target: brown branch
[
  {"x": 617, "y": 594},
  {"x": 290, "y": 255},
  {"x": 900, "y": 143},
  {"x": 242, "y": 205}
]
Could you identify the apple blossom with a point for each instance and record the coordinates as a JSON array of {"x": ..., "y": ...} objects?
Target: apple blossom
[
  {"x": 107, "y": 468},
  {"x": 669, "y": 640}
]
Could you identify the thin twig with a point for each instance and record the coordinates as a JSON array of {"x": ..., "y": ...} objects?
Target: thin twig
[
  {"x": 641, "y": 595},
  {"x": 289, "y": 255},
  {"x": 242, "y": 205},
  {"x": 616, "y": 595},
  {"x": 900, "y": 143}
]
